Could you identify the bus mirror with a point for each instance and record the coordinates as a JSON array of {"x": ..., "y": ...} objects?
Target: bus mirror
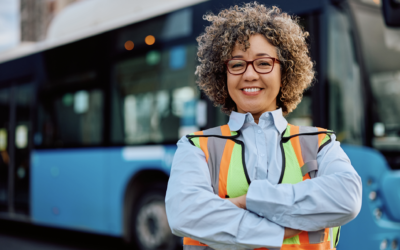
[{"x": 391, "y": 12}]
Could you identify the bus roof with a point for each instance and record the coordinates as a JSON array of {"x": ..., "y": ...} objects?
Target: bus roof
[{"x": 91, "y": 17}]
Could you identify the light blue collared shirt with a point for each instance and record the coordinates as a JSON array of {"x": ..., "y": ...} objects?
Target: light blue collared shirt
[{"x": 331, "y": 199}]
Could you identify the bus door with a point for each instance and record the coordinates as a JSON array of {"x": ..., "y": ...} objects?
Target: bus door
[
  {"x": 4, "y": 147},
  {"x": 16, "y": 104}
]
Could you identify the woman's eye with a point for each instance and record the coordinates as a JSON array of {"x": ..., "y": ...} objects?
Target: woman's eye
[
  {"x": 237, "y": 65},
  {"x": 264, "y": 63}
]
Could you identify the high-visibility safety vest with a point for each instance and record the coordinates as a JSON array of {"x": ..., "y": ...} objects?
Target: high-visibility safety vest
[{"x": 225, "y": 158}]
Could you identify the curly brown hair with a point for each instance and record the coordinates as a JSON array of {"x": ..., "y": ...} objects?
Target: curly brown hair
[{"x": 236, "y": 25}]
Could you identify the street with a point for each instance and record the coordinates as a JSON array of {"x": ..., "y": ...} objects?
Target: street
[{"x": 21, "y": 236}]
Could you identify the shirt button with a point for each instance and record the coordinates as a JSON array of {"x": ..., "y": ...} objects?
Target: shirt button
[
  {"x": 274, "y": 218},
  {"x": 259, "y": 131},
  {"x": 262, "y": 155},
  {"x": 261, "y": 214}
]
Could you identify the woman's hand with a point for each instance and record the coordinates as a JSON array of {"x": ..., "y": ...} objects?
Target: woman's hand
[
  {"x": 290, "y": 232},
  {"x": 240, "y": 201}
]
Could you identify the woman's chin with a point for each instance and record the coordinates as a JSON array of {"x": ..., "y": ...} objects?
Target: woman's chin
[
  {"x": 252, "y": 111},
  {"x": 256, "y": 109}
]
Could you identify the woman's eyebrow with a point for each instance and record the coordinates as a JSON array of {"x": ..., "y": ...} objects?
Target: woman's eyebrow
[
  {"x": 262, "y": 54},
  {"x": 259, "y": 54}
]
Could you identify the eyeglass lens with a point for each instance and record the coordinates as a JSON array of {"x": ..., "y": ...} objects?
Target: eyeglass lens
[{"x": 262, "y": 65}]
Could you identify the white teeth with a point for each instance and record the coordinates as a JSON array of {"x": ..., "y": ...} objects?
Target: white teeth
[{"x": 251, "y": 89}]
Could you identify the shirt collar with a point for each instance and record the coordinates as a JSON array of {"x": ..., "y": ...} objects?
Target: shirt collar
[{"x": 237, "y": 120}]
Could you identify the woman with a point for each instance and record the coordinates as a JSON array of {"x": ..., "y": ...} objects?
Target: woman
[{"x": 259, "y": 182}]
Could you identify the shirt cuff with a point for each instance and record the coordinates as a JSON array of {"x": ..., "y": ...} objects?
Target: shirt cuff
[
  {"x": 258, "y": 231},
  {"x": 259, "y": 196}
]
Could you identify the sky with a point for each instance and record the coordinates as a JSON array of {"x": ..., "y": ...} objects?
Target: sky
[{"x": 9, "y": 24}]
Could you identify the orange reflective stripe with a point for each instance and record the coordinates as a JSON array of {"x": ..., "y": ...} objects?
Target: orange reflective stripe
[
  {"x": 303, "y": 237},
  {"x": 203, "y": 145},
  {"x": 306, "y": 177},
  {"x": 192, "y": 242},
  {"x": 321, "y": 136},
  {"x": 224, "y": 167},
  {"x": 225, "y": 130},
  {"x": 297, "y": 148},
  {"x": 326, "y": 234},
  {"x": 296, "y": 144},
  {"x": 320, "y": 246}
]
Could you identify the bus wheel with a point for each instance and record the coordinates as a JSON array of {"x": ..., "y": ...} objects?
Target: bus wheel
[{"x": 150, "y": 227}]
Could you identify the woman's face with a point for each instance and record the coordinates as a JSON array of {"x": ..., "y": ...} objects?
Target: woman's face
[{"x": 253, "y": 92}]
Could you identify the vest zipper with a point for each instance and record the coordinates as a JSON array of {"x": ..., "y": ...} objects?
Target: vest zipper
[
  {"x": 337, "y": 236},
  {"x": 283, "y": 159},
  {"x": 243, "y": 160}
]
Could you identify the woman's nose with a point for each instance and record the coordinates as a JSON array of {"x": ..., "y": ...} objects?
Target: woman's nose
[{"x": 250, "y": 74}]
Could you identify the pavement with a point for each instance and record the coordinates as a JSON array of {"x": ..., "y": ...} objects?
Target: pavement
[{"x": 24, "y": 236}]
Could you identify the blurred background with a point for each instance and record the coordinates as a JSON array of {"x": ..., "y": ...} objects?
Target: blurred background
[{"x": 94, "y": 95}]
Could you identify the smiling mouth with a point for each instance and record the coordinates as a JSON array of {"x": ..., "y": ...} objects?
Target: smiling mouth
[{"x": 251, "y": 90}]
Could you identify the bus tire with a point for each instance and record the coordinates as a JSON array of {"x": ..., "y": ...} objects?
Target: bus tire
[{"x": 149, "y": 225}]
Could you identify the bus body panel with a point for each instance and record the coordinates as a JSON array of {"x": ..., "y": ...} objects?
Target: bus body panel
[
  {"x": 83, "y": 189},
  {"x": 67, "y": 188},
  {"x": 372, "y": 223},
  {"x": 122, "y": 166}
]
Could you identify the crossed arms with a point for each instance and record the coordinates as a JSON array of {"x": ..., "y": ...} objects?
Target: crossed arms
[{"x": 269, "y": 212}]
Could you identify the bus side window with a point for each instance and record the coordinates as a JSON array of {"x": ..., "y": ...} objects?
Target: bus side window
[
  {"x": 154, "y": 97},
  {"x": 345, "y": 93},
  {"x": 381, "y": 50},
  {"x": 70, "y": 119}
]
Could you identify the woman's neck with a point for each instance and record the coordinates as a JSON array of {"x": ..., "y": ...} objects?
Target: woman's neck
[{"x": 256, "y": 117}]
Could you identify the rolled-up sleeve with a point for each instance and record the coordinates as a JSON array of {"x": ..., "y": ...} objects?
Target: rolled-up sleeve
[
  {"x": 331, "y": 199},
  {"x": 194, "y": 211}
]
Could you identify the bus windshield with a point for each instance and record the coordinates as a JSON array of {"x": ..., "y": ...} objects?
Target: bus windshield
[{"x": 381, "y": 50}]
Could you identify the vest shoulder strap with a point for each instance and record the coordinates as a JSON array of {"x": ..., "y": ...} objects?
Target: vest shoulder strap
[
  {"x": 220, "y": 131},
  {"x": 308, "y": 134},
  {"x": 199, "y": 139}
]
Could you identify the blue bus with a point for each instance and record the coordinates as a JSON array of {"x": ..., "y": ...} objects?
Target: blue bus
[{"x": 90, "y": 116}]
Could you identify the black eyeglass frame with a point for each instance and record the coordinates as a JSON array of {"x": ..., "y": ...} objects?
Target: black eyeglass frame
[{"x": 274, "y": 60}]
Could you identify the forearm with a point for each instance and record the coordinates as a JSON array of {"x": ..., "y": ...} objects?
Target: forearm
[
  {"x": 311, "y": 205},
  {"x": 220, "y": 224}
]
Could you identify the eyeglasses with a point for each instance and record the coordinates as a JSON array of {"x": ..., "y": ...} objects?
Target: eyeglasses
[{"x": 262, "y": 65}]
